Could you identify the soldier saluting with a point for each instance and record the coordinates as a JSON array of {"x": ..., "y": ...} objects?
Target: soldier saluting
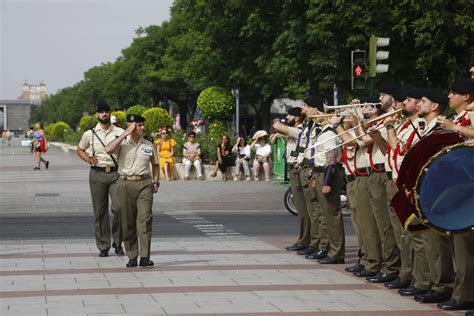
[{"x": 136, "y": 187}]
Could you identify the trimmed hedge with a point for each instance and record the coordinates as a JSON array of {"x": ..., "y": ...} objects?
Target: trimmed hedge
[{"x": 156, "y": 118}]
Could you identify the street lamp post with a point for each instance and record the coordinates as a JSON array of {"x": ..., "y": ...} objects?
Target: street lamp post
[{"x": 235, "y": 93}]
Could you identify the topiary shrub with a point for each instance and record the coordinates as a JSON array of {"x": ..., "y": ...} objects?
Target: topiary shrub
[
  {"x": 59, "y": 130},
  {"x": 87, "y": 122},
  {"x": 156, "y": 118},
  {"x": 216, "y": 131},
  {"x": 136, "y": 109},
  {"x": 121, "y": 117},
  {"x": 215, "y": 103}
]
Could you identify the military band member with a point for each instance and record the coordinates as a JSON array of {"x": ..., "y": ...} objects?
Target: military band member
[
  {"x": 462, "y": 94},
  {"x": 438, "y": 247},
  {"x": 136, "y": 188},
  {"x": 372, "y": 255},
  {"x": 291, "y": 131},
  {"x": 103, "y": 180},
  {"x": 319, "y": 245},
  {"x": 327, "y": 183},
  {"x": 414, "y": 277}
]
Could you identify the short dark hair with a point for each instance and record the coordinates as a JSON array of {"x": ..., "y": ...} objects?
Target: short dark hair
[{"x": 192, "y": 133}]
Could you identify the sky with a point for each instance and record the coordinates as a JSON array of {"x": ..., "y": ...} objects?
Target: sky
[{"x": 56, "y": 41}]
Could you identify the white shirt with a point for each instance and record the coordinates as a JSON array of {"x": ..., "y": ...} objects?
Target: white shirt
[{"x": 264, "y": 150}]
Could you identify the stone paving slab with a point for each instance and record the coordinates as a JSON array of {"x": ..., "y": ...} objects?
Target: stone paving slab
[{"x": 229, "y": 282}]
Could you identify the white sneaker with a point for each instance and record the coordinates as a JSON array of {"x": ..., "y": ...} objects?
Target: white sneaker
[
  {"x": 257, "y": 179},
  {"x": 236, "y": 178},
  {"x": 267, "y": 179},
  {"x": 248, "y": 179},
  {"x": 199, "y": 177}
]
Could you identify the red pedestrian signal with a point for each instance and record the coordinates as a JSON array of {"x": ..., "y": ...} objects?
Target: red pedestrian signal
[{"x": 358, "y": 69}]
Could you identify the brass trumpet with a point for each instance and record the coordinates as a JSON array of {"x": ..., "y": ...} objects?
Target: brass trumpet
[
  {"x": 363, "y": 124},
  {"x": 347, "y": 106}
]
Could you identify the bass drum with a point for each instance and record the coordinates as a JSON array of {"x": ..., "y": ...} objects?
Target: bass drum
[
  {"x": 445, "y": 190},
  {"x": 420, "y": 154}
]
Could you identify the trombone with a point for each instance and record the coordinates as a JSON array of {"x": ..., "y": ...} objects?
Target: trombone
[
  {"x": 364, "y": 124},
  {"x": 347, "y": 106}
]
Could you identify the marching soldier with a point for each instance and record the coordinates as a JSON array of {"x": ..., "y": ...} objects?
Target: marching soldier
[
  {"x": 136, "y": 188},
  {"x": 103, "y": 179},
  {"x": 291, "y": 132}
]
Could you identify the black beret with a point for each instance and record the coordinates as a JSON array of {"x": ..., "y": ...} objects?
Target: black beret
[
  {"x": 401, "y": 94},
  {"x": 135, "y": 118},
  {"x": 102, "y": 107},
  {"x": 315, "y": 102},
  {"x": 371, "y": 99},
  {"x": 296, "y": 111},
  {"x": 463, "y": 86},
  {"x": 415, "y": 93},
  {"x": 390, "y": 88},
  {"x": 436, "y": 96}
]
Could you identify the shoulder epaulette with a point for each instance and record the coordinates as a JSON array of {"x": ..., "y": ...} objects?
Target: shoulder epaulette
[{"x": 149, "y": 138}]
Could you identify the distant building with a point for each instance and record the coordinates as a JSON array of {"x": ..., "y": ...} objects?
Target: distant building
[
  {"x": 15, "y": 114},
  {"x": 34, "y": 93}
]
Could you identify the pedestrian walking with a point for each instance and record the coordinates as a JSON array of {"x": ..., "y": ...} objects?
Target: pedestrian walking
[
  {"x": 103, "y": 178},
  {"x": 40, "y": 146},
  {"x": 136, "y": 187}
]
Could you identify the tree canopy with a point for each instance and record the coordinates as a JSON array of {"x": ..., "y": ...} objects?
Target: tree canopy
[{"x": 270, "y": 49}]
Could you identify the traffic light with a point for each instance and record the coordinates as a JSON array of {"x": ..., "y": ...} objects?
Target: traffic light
[
  {"x": 358, "y": 69},
  {"x": 375, "y": 55}
]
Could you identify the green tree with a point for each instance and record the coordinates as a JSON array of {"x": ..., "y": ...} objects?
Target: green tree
[
  {"x": 157, "y": 118},
  {"x": 136, "y": 109},
  {"x": 215, "y": 104}
]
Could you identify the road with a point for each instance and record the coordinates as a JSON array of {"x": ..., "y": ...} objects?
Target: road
[{"x": 55, "y": 203}]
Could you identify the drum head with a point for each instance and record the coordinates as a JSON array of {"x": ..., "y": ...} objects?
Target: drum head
[{"x": 445, "y": 190}]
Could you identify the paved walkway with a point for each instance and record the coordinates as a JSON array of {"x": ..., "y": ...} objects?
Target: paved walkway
[{"x": 231, "y": 275}]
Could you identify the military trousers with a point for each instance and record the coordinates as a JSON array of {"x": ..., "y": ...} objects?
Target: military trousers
[
  {"x": 352, "y": 198},
  {"x": 136, "y": 201},
  {"x": 464, "y": 260},
  {"x": 440, "y": 261},
  {"x": 299, "y": 200},
  {"x": 377, "y": 185},
  {"x": 368, "y": 226},
  {"x": 319, "y": 232},
  {"x": 330, "y": 206},
  {"x": 102, "y": 185},
  {"x": 402, "y": 237},
  {"x": 421, "y": 278}
]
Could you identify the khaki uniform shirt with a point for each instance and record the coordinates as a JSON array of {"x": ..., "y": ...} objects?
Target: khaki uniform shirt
[
  {"x": 293, "y": 133},
  {"x": 306, "y": 138},
  {"x": 135, "y": 158},
  {"x": 328, "y": 145},
  {"x": 91, "y": 144}
]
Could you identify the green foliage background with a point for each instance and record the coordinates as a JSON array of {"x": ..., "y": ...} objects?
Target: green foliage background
[
  {"x": 215, "y": 104},
  {"x": 271, "y": 49},
  {"x": 156, "y": 118},
  {"x": 136, "y": 109}
]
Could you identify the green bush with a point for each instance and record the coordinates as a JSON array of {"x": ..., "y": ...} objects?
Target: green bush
[
  {"x": 87, "y": 122},
  {"x": 215, "y": 104},
  {"x": 136, "y": 109},
  {"x": 48, "y": 128},
  {"x": 217, "y": 130},
  {"x": 73, "y": 138},
  {"x": 59, "y": 130},
  {"x": 156, "y": 118},
  {"x": 121, "y": 117}
]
